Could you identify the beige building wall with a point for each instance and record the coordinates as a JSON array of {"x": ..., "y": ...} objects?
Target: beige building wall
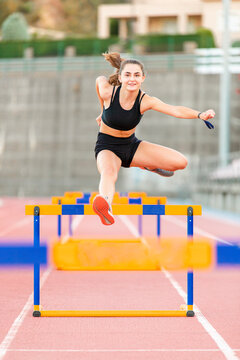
[
  {"x": 213, "y": 18},
  {"x": 169, "y": 17}
]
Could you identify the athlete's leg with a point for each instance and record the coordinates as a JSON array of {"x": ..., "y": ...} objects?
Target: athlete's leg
[
  {"x": 153, "y": 156},
  {"x": 108, "y": 166}
]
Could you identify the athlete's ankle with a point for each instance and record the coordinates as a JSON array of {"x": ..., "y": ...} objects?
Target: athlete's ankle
[{"x": 108, "y": 201}]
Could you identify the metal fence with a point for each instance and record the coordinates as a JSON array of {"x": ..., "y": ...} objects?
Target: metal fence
[
  {"x": 203, "y": 61},
  {"x": 160, "y": 62}
]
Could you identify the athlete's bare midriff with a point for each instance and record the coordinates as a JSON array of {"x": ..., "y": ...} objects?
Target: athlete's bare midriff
[{"x": 113, "y": 132}]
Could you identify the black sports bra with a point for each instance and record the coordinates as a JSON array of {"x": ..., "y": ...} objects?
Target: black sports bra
[{"x": 118, "y": 118}]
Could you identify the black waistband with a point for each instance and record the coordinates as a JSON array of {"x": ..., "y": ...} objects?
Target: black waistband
[{"x": 122, "y": 139}]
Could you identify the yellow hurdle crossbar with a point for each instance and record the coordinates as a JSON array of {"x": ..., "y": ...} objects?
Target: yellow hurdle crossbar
[
  {"x": 116, "y": 209},
  {"x": 63, "y": 200},
  {"x": 73, "y": 194}
]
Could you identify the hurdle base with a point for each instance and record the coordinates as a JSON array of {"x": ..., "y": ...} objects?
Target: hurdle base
[
  {"x": 190, "y": 313},
  {"x": 111, "y": 313},
  {"x": 36, "y": 313}
]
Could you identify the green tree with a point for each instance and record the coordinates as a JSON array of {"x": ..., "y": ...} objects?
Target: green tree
[
  {"x": 7, "y": 7},
  {"x": 15, "y": 28}
]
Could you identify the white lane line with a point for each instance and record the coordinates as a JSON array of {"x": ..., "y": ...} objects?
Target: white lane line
[
  {"x": 115, "y": 350},
  {"x": 129, "y": 225},
  {"x": 76, "y": 221},
  {"x": 16, "y": 225},
  {"x": 19, "y": 320},
  {"x": 133, "y": 229},
  {"x": 212, "y": 332},
  {"x": 197, "y": 230}
]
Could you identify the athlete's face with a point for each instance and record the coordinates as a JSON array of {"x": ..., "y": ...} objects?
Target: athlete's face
[{"x": 131, "y": 77}]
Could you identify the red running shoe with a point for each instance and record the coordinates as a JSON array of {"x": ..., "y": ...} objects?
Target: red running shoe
[{"x": 102, "y": 209}]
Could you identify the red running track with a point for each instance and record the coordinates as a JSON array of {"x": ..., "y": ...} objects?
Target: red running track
[{"x": 214, "y": 333}]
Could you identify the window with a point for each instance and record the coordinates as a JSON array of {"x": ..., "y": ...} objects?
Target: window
[
  {"x": 163, "y": 24},
  {"x": 194, "y": 22}
]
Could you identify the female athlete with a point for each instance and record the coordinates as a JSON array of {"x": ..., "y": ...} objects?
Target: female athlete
[{"x": 123, "y": 104}]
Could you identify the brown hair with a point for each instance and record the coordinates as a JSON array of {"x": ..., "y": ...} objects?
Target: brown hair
[{"x": 116, "y": 61}]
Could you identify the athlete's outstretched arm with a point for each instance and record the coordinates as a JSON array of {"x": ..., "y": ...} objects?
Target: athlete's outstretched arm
[{"x": 156, "y": 104}]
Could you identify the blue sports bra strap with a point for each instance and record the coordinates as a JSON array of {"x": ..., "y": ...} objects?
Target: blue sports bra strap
[{"x": 112, "y": 94}]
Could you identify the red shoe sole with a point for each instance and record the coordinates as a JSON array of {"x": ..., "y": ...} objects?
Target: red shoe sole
[{"x": 101, "y": 208}]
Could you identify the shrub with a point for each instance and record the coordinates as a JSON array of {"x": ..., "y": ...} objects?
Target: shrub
[
  {"x": 236, "y": 43},
  {"x": 168, "y": 43},
  {"x": 45, "y": 47},
  {"x": 206, "y": 38},
  {"x": 95, "y": 46},
  {"x": 15, "y": 28}
]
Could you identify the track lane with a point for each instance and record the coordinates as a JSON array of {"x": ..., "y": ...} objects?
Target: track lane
[{"x": 108, "y": 330}]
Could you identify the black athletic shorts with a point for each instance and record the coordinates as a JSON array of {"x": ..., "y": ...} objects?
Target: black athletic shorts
[{"x": 124, "y": 148}]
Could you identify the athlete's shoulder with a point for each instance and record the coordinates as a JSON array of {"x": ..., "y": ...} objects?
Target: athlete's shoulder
[
  {"x": 103, "y": 82},
  {"x": 105, "y": 89},
  {"x": 146, "y": 102}
]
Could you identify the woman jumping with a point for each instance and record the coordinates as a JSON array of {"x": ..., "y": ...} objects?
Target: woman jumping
[{"x": 123, "y": 104}]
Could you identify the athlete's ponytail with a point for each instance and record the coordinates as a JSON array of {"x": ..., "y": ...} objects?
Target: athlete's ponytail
[{"x": 116, "y": 61}]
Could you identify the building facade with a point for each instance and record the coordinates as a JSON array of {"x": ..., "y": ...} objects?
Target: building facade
[{"x": 169, "y": 17}]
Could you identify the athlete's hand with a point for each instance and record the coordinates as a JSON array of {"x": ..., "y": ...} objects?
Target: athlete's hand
[
  {"x": 99, "y": 119},
  {"x": 205, "y": 116}
]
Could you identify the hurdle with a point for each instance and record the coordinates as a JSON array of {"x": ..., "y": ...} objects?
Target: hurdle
[
  {"x": 37, "y": 211},
  {"x": 119, "y": 198}
]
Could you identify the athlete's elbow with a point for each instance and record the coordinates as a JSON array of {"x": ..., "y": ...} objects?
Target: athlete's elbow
[
  {"x": 177, "y": 112},
  {"x": 97, "y": 80}
]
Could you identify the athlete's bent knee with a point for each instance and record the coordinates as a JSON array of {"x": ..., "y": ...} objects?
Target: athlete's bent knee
[
  {"x": 110, "y": 172},
  {"x": 182, "y": 163},
  {"x": 178, "y": 164}
]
